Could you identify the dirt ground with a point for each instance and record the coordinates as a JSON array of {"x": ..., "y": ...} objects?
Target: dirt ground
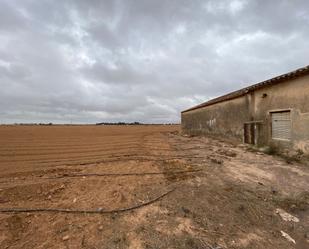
[{"x": 223, "y": 195}]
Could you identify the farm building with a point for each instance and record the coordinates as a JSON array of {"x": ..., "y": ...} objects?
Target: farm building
[{"x": 271, "y": 113}]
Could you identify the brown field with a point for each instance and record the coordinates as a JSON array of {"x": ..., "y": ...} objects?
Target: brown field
[{"x": 223, "y": 195}]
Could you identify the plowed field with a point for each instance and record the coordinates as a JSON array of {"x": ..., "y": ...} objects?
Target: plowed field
[{"x": 144, "y": 187}]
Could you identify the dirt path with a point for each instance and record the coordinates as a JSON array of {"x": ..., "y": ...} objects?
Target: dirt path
[{"x": 225, "y": 196}]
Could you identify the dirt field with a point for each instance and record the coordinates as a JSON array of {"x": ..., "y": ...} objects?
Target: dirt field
[{"x": 215, "y": 194}]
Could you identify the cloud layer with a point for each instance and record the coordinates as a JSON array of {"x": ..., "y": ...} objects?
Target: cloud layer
[{"x": 138, "y": 60}]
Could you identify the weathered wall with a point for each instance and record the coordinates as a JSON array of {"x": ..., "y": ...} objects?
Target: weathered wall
[
  {"x": 227, "y": 118},
  {"x": 289, "y": 94},
  {"x": 293, "y": 95},
  {"x": 301, "y": 132},
  {"x": 224, "y": 118}
]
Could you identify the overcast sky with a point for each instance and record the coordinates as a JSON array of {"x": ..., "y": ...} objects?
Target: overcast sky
[{"x": 138, "y": 60}]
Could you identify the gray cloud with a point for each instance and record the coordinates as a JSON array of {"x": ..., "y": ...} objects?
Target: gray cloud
[{"x": 137, "y": 60}]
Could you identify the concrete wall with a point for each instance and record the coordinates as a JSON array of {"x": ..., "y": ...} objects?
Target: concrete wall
[
  {"x": 301, "y": 132},
  {"x": 285, "y": 95},
  {"x": 224, "y": 118},
  {"x": 290, "y": 95},
  {"x": 227, "y": 118}
]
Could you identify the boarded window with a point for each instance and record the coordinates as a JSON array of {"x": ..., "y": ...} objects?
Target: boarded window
[{"x": 281, "y": 125}]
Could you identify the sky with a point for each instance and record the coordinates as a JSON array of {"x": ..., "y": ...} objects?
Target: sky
[{"x": 140, "y": 60}]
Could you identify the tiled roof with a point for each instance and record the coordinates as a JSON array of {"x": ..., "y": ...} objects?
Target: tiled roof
[{"x": 243, "y": 91}]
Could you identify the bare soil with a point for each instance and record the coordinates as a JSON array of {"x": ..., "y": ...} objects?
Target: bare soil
[{"x": 225, "y": 195}]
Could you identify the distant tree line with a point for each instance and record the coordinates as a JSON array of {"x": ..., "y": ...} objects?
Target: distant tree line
[
  {"x": 130, "y": 123},
  {"x": 33, "y": 123},
  {"x": 119, "y": 123},
  {"x": 102, "y": 123}
]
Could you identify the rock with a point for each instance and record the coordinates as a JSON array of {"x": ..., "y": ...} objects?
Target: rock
[
  {"x": 75, "y": 199},
  {"x": 286, "y": 216},
  {"x": 100, "y": 228},
  {"x": 288, "y": 237},
  {"x": 65, "y": 238},
  {"x": 230, "y": 153}
]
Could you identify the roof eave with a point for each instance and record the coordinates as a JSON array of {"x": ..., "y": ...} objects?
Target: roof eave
[{"x": 278, "y": 79}]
